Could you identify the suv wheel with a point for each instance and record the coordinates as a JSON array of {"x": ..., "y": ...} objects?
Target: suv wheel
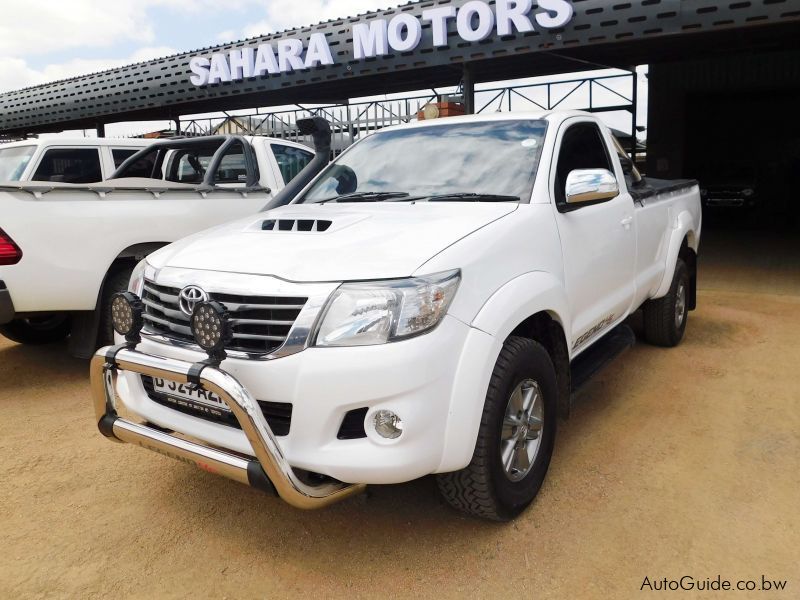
[
  {"x": 515, "y": 439},
  {"x": 45, "y": 329}
]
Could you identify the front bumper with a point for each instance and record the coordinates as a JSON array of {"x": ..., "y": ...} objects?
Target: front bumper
[
  {"x": 436, "y": 382},
  {"x": 7, "y": 311},
  {"x": 728, "y": 201},
  {"x": 268, "y": 470}
]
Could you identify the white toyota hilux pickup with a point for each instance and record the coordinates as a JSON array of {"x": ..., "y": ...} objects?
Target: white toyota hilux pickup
[
  {"x": 67, "y": 244},
  {"x": 426, "y": 305}
]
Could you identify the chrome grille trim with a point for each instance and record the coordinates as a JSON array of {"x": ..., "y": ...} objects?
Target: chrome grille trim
[{"x": 289, "y": 310}]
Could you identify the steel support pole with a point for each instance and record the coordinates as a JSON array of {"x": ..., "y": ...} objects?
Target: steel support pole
[
  {"x": 634, "y": 107},
  {"x": 468, "y": 84}
]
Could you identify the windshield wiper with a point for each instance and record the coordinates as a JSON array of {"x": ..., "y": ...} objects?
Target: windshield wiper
[
  {"x": 467, "y": 197},
  {"x": 366, "y": 197}
]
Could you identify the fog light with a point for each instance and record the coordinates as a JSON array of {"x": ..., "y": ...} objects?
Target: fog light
[
  {"x": 126, "y": 316},
  {"x": 211, "y": 329},
  {"x": 388, "y": 424}
]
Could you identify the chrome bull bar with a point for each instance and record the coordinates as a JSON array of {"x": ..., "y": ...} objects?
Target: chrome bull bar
[{"x": 270, "y": 471}]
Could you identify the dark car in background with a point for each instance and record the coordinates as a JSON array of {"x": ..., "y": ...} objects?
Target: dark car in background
[{"x": 730, "y": 186}]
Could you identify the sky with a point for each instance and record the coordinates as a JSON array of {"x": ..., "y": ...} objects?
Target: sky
[{"x": 46, "y": 40}]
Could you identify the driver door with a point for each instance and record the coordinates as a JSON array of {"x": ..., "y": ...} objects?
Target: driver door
[{"x": 598, "y": 241}]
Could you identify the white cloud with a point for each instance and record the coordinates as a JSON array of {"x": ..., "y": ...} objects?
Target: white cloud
[
  {"x": 43, "y": 26},
  {"x": 279, "y": 15},
  {"x": 16, "y": 72}
]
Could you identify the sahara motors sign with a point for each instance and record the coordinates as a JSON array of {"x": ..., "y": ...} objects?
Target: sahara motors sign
[{"x": 475, "y": 21}]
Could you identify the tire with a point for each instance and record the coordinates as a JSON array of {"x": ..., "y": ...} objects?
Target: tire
[
  {"x": 665, "y": 319},
  {"x": 116, "y": 282},
  {"x": 487, "y": 488},
  {"x": 46, "y": 329}
]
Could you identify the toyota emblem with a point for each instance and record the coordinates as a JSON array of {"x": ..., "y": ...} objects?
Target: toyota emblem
[{"x": 190, "y": 297}]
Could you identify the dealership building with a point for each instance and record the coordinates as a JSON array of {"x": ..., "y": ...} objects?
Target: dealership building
[{"x": 724, "y": 75}]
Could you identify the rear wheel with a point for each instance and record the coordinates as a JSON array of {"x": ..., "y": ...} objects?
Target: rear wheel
[
  {"x": 516, "y": 436},
  {"x": 45, "y": 329},
  {"x": 665, "y": 318},
  {"x": 116, "y": 282}
]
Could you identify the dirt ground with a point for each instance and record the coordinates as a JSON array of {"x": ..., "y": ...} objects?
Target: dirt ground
[{"x": 675, "y": 462}]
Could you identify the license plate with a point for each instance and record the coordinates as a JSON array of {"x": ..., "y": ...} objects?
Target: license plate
[{"x": 196, "y": 398}]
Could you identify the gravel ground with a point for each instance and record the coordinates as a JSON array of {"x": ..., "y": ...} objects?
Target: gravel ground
[{"x": 675, "y": 462}]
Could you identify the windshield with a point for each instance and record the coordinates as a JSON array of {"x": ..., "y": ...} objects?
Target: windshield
[
  {"x": 494, "y": 160},
  {"x": 13, "y": 161}
]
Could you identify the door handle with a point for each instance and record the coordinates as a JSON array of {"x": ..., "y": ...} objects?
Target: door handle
[{"x": 626, "y": 222}]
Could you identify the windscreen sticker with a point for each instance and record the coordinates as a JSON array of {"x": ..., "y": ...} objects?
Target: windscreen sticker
[{"x": 530, "y": 143}]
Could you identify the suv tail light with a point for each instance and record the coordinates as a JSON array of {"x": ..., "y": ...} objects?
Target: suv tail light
[{"x": 10, "y": 254}]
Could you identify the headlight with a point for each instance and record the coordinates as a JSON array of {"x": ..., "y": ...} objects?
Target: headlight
[
  {"x": 136, "y": 284},
  {"x": 748, "y": 192},
  {"x": 370, "y": 313}
]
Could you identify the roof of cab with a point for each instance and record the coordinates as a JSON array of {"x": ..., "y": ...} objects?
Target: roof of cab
[{"x": 81, "y": 142}]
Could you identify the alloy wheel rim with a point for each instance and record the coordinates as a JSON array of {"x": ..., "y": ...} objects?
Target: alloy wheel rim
[
  {"x": 680, "y": 306},
  {"x": 521, "y": 434}
]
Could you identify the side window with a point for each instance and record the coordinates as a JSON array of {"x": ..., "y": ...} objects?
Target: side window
[
  {"x": 291, "y": 160},
  {"x": 233, "y": 168},
  {"x": 582, "y": 147},
  {"x": 143, "y": 167},
  {"x": 120, "y": 155},
  {"x": 189, "y": 166},
  {"x": 70, "y": 165}
]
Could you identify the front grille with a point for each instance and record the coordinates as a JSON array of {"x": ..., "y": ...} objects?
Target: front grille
[
  {"x": 277, "y": 414},
  {"x": 261, "y": 324}
]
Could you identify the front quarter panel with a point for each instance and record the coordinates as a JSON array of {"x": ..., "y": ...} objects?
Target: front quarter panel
[
  {"x": 511, "y": 269},
  {"x": 522, "y": 242},
  {"x": 520, "y": 298}
]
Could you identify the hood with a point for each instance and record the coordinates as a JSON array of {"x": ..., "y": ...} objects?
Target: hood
[{"x": 330, "y": 242}]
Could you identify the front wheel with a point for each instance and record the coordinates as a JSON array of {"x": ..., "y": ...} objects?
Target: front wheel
[
  {"x": 515, "y": 439},
  {"x": 45, "y": 329}
]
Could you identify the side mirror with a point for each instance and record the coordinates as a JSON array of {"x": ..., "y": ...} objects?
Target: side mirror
[{"x": 591, "y": 185}]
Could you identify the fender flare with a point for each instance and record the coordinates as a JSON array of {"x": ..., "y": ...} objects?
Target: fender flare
[
  {"x": 86, "y": 324},
  {"x": 503, "y": 312},
  {"x": 684, "y": 228},
  {"x": 520, "y": 298}
]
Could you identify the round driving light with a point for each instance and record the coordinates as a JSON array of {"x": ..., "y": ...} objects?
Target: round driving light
[
  {"x": 387, "y": 424},
  {"x": 211, "y": 327},
  {"x": 748, "y": 192},
  {"x": 126, "y": 315}
]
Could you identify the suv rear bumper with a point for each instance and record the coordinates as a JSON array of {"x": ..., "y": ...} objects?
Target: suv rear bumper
[
  {"x": 7, "y": 311},
  {"x": 269, "y": 470}
]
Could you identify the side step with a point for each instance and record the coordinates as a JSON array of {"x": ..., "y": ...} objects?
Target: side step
[{"x": 600, "y": 354}]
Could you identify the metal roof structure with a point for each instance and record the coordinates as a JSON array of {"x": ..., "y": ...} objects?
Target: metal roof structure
[{"x": 612, "y": 33}]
